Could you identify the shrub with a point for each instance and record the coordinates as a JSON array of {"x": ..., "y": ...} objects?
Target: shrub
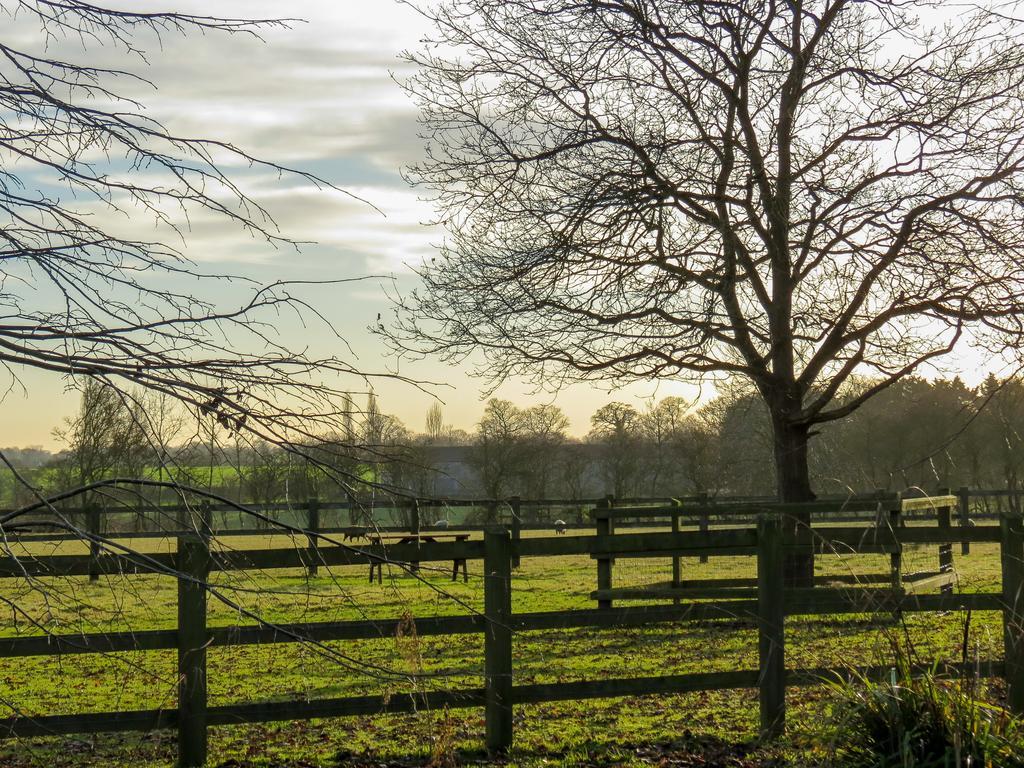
[{"x": 921, "y": 719}]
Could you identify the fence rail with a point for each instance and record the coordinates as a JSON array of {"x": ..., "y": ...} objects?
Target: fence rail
[
  {"x": 700, "y": 507},
  {"x": 764, "y": 609},
  {"x": 720, "y": 504}
]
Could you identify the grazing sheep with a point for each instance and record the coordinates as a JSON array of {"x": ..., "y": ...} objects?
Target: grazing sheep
[
  {"x": 441, "y": 524},
  {"x": 560, "y": 526}
]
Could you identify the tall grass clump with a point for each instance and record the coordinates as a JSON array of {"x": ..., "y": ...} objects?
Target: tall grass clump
[{"x": 920, "y": 718}]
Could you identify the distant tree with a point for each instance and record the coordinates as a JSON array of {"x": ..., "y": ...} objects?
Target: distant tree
[
  {"x": 744, "y": 441},
  {"x": 169, "y": 428},
  {"x": 661, "y": 425},
  {"x": 907, "y": 436},
  {"x": 435, "y": 429},
  {"x": 496, "y": 449},
  {"x": 697, "y": 444},
  {"x": 1003, "y": 424},
  {"x": 31, "y": 457},
  {"x": 544, "y": 433},
  {"x": 457, "y": 436},
  {"x": 574, "y": 467},
  {"x": 308, "y": 478},
  {"x": 104, "y": 439},
  {"x": 787, "y": 193},
  {"x": 616, "y": 428},
  {"x": 972, "y": 449},
  {"x": 395, "y": 452},
  {"x": 333, "y": 456},
  {"x": 385, "y": 445},
  {"x": 517, "y": 451},
  {"x": 266, "y": 476},
  {"x": 30, "y": 462},
  {"x": 422, "y": 472},
  {"x": 349, "y": 433},
  {"x": 374, "y": 423},
  {"x": 942, "y": 416}
]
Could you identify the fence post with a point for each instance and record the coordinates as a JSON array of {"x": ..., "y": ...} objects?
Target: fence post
[
  {"x": 313, "y": 528},
  {"x": 964, "y": 515},
  {"x": 517, "y": 525},
  {"x": 771, "y": 626},
  {"x": 1011, "y": 553},
  {"x": 414, "y": 528},
  {"x": 92, "y": 525},
  {"x": 896, "y": 558},
  {"x": 205, "y": 520},
  {"x": 676, "y": 560},
  {"x": 945, "y": 523},
  {"x": 182, "y": 519},
  {"x": 705, "y": 521},
  {"x": 604, "y": 562},
  {"x": 498, "y": 640},
  {"x": 194, "y": 570},
  {"x": 140, "y": 515}
]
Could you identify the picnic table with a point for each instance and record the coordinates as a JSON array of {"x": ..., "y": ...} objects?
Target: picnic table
[{"x": 458, "y": 563}]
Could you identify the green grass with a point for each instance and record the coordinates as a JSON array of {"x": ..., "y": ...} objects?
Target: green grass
[{"x": 626, "y": 731}]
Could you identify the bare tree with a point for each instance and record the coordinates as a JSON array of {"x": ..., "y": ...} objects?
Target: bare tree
[
  {"x": 574, "y": 463},
  {"x": 374, "y": 423},
  {"x": 266, "y": 476},
  {"x": 616, "y": 428},
  {"x": 103, "y": 438},
  {"x": 496, "y": 449},
  {"x": 662, "y": 424},
  {"x": 697, "y": 445},
  {"x": 435, "y": 430},
  {"x": 1003, "y": 425},
  {"x": 82, "y": 297},
  {"x": 167, "y": 427},
  {"x": 785, "y": 192},
  {"x": 543, "y": 440}
]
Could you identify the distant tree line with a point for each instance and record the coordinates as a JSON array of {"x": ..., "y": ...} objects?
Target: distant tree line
[{"x": 915, "y": 433}]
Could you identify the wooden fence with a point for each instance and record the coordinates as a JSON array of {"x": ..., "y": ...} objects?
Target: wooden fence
[
  {"x": 703, "y": 508},
  {"x": 194, "y": 561},
  {"x": 891, "y": 510},
  {"x": 199, "y": 518}
]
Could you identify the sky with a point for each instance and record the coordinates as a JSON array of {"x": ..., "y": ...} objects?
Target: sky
[{"x": 321, "y": 96}]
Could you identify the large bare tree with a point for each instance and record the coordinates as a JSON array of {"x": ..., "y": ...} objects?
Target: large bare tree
[{"x": 786, "y": 191}]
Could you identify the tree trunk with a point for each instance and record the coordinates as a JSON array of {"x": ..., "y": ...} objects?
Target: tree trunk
[{"x": 793, "y": 484}]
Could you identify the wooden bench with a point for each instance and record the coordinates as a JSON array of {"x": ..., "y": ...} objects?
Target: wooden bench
[{"x": 417, "y": 538}]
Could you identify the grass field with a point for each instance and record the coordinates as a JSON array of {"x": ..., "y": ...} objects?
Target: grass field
[{"x": 625, "y": 731}]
